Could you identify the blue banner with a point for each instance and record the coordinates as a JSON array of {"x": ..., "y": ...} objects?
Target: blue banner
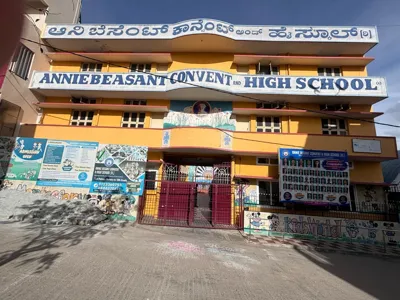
[{"x": 314, "y": 177}]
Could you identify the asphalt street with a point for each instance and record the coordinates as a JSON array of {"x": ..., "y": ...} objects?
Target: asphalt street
[{"x": 120, "y": 261}]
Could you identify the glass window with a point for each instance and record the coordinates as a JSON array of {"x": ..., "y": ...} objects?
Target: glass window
[
  {"x": 329, "y": 71},
  {"x": 268, "y": 193},
  {"x": 91, "y": 67},
  {"x": 140, "y": 68},
  {"x": 82, "y": 118},
  {"x": 269, "y": 105},
  {"x": 135, "y": 102},
  {"x": 133, "y": 120},
  {"x": 22, "y": 62},
  {"x": 268, "y": 70},
  {"x": 268, "y": 124},
  {"x": 334, "y": 126}
]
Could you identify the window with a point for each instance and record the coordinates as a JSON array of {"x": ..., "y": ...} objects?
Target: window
[
  {"x": 334, "y": 127},
  {"x": 135, "y": 102},
  {"x": 329, "y": 72},
  {"x": 268, "y": 124},
  {"x": 351, "y": 165},
  {"x": 22, "y": 62},
  {"x": 267, "y": 161},
  {"x": 334, "y": 107},
  {"x": 140, "y": 67},
  {"x": 78, "y": 100},
  {"x": 133, "y": 120},
  {"x": 82, "y": 118},
  {"x": 266, "y": 105},
  {"x": 86, "y": 67},
  {"x": 268, "y": 193},
  {"x": 268, "y": 70},
  {"x": 150, "y": 180}
]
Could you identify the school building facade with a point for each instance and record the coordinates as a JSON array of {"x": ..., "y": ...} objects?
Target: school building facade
[{"x": 215, "y": 102}]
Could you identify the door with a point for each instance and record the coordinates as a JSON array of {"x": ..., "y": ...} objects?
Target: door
[{"x": 221, "y": 204}]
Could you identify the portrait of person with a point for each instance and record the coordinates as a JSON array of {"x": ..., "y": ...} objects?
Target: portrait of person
[
  {"x": 339, "y": 181},
  {"x": 293, "y": 163},
  {"x": 317, "y": 164},
  {"x": 290, "y": 178},
  {"x": 309, "y": 163},
  {"x": 322, "y": 173},
  {"x": 328, "y": 189},
  {"x": 284, "y": 178},
  {"x": 312, "y": 172},
  {"x": 321, "y": 197},
  {"x": 301, "y": 163},
  {"x": 284, "y": 185},
  {"x": 346, "y": 174},
  {"x": 323, "y": 189},
  {"x": 301, "y": 172},
  {"x": 301, "y": 179},
  {"x": 285, "y": 162},
  {"x": 311, "y": 179},
  {"x": 284, "y": 170},
  {"x": 287, "y": 196},
  {"x": 334, "y": 181},
  {"x": 314, "y": 196},
  {"x": 328, "y": 181},
  {"x": 305, "y": 179},
  {"x": 345, "y": 182},
  {"x": 309, "y": 196},
  {"x": 295, "y": 171},
  {"x": 328, "y": 173},
  {"x": 318, "y": 188},
  {"x": 346, "y": 190},
  {"x": 323, "y": 181},
  {"x": 290, "y": 186},
  {"x": 296, "y": 187},
  {"x": 306, "y": 188},
  {"x": 301, "y": 187},
  {"x": 318, "y": 180},
  {"x": 201, "y": 108}
]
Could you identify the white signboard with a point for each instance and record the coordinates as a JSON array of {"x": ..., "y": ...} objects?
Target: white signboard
[
  {"x": 189, "y": 78},
  {"x": 360, "y": 34},
  {"x": 366, "y": 146}
]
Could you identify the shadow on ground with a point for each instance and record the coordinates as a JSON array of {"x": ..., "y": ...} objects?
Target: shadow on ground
[
  {"x": 40, "y": 241},
  {"x": 378, "y": 278}
]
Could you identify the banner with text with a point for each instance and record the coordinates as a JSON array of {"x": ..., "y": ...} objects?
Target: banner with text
[
  {"x": 119, "y": 169},
  {"x": 314, "y": 177},
  {"x": 26, "y": 159},
  {"x": 68, "y": 164}
]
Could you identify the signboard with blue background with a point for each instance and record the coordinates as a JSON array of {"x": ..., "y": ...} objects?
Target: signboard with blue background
[
  {"x": 314, "y": 177},
  {"x": 26, "y": 159},
  {"x": 68, "y": 164},
  {"x": 215, "y": 114}
]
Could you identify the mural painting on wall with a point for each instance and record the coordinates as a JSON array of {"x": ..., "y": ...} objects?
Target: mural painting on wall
[
  {"x": 119, "y": 169},
  {"x": 314, "y": 177},
  {"x": 362, "y": 231},
  {"x": 68, "y": 164},
  {"x": 246, "y": 193},
  {"x": 204, "y": 176},
  {"x": 6, "y": 149},
  {"x": 200, "y": 114},
  {"x": 26, "y": 159},
  {"x": 370, "y": 198}
]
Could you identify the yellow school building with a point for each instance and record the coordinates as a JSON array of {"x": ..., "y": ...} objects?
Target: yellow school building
[{"x": 214, "y": 102}]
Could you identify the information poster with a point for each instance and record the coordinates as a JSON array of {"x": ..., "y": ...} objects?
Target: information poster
[
  {"x": 119, "y": 169},
  {"x": 68, "y": 164},
  {"x": 314, "y": 177},
  {"x": 26, "y": 158}
]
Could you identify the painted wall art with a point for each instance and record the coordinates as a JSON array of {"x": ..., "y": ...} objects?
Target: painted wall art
[{"x": 212, "y": 114}]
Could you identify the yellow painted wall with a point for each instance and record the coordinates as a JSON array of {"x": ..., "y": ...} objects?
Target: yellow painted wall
[
  {"x": 354, "y": 71},
  {"x": 216, "y": 61},
  {"x": 65, "y": 66},
  {"x": 305, "y": 125},
  {"x": 246, "y": 166},
  {"x": 366, "y": 172},
  {"x": 297, "y": 70},
  {"x": 54, "y": 116}
]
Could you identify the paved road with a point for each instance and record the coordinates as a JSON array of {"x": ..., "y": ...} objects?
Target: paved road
[{"x": 114, "y": 262}]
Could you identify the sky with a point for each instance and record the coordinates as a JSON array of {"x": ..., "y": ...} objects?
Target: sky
[{"x": 381, "y": 13}]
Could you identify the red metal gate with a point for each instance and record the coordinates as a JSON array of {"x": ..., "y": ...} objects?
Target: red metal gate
[{"x": 173, "y": 201}]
